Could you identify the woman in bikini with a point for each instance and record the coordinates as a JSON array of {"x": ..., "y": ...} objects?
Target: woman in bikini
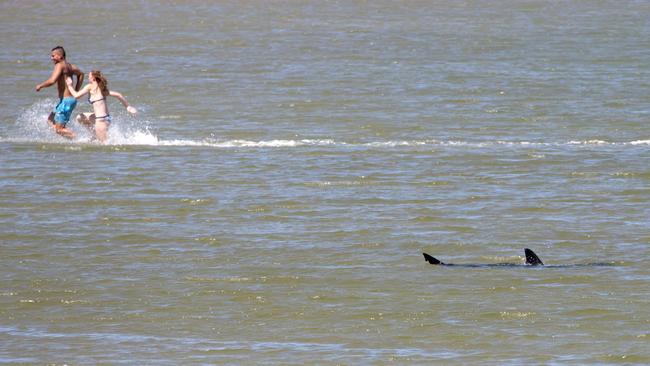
[{"x": 97, "y": 90}]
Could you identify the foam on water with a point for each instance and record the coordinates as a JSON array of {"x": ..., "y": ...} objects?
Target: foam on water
[{"x": 126, "y": 130}]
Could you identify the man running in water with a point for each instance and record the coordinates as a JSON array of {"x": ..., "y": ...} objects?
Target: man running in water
[{"x": 61, "y": 114}]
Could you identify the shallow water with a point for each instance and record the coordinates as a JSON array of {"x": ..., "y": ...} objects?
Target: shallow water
[{"x": 292, "y": 160}]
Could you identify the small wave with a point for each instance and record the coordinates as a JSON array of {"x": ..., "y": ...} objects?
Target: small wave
[
  {"x": 270, "y": 143},
  {"x": 125, "y": 130},
  {"x": 142, "y": 136},
  {"x": 640, "y": 142},
  {"x": 145, "y": 138},
  {"x": 589, "y": 142},
  {"x": 278, "y": 143}
]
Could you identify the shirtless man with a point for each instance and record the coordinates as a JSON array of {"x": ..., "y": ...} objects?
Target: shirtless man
[{"x": 62, "y": 69}]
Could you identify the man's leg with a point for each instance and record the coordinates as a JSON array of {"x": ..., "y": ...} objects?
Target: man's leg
[
  {"x": 50, "y": 119},
  {"x": 63, "y": 131}
]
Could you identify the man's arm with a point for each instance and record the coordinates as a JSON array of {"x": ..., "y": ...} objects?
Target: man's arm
[{"x": 58, "y": 69}]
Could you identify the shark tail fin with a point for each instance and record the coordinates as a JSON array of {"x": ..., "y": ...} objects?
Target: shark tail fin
[
  {"x": 532, "y": 258},
  {"x": 431, "y": 259}
]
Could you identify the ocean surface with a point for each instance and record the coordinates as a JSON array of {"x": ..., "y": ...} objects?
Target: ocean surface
[{"x": 291, "y": 161}]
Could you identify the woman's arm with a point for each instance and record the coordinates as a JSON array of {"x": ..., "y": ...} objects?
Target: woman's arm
[
  {"x": 71, "y": 89},
  {"x": 123, "y": 100},
  {"x": 80, "y": 76}
]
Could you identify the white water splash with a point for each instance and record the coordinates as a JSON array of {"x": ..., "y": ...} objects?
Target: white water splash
[{"x": 32, "y": 126}]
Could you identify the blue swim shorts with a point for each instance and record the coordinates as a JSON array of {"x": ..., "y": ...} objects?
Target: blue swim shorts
[{"x": 63, "y": 110}]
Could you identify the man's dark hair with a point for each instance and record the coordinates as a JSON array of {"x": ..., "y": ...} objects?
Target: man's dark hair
[{"x": 59, "y": 48}]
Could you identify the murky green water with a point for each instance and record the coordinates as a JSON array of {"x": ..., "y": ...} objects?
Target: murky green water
[{"x": 293, "y": 159}]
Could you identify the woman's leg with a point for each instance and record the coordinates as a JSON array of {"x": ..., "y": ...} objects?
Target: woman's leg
[
  {"x": 101, "y": 130},
  {"x": 86, "y": 119}
]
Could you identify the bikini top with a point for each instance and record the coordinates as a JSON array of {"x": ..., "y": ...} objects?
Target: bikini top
[{"x": 96, "y": 100}]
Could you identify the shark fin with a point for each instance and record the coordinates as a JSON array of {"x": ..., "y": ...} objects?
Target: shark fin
[
  {"x": 431, "y": 259},
  {"x": 532, "y": 258}
]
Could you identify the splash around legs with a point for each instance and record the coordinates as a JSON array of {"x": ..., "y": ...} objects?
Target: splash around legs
[{"x": 60, "y": 128}]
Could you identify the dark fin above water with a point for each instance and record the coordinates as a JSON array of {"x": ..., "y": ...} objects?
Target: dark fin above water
[
  {"x": 431, "y": 259},
  {"x": 532, "y": 258}
]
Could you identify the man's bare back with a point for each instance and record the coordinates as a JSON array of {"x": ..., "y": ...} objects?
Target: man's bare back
[{"x": 70, "y": 70}]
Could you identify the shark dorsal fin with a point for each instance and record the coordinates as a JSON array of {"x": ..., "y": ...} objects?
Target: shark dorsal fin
[
  {"x": 532, "y": 258},
  {"x": 431, "y": 259}
]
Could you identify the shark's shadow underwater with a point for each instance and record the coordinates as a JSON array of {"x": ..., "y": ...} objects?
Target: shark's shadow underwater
[{"x": 531, "y": 260}]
